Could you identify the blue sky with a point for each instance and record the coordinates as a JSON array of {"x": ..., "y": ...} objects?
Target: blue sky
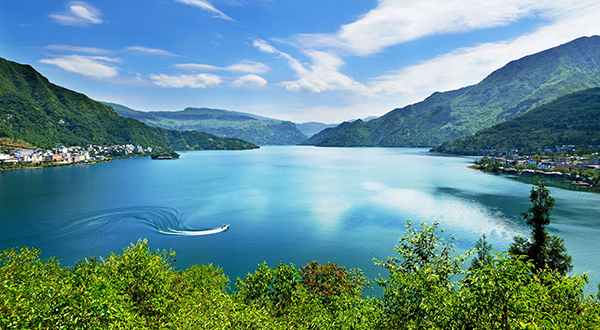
[{"x": 299, "y": 60}]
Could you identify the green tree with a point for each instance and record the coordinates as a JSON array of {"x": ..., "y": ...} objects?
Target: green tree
[
  {"x": 508, "y": 293},
  {"x": 274, "y": 288},
  {"x": 588, "y": 174},
  {"x": 542, "y": 249},
  {"x": 483, "y": 256},
  {"x": 420, "y": 278}
]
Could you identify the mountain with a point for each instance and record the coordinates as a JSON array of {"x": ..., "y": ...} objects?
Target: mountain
[
  {"x": 311, "y": 128},
  {"x": 196, "y": 140},
  {"x": 573, "y": 119},
  {"x": 222, "y": 123},
  {"x": 505, "y": 94},
  {"x": 45, "y": 115}
]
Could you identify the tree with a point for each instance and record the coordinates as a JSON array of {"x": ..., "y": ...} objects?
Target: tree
[
  {"x": 483, "y": 256},
  {"x": 420, "y": 278},
  {"x": 509, "y": 293},
  {"x": 542, "y": 249},
  {"x": 327, "y": 280},
  {"x": 271, "y": 287},
  {"x": 588, "y": 174}
]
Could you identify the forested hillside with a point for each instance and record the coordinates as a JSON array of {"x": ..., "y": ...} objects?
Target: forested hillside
[
  {"x": 573, "y": 119},
  {"x": 505, "y": 94},
  {"x": 40, "y": 114},
  {"x": 196, "y": 140},
  {"x": 221, "y": 123},
  {"x": 45, "y": 115}
]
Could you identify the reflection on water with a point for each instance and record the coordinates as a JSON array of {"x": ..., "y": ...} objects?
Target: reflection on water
[
  {"x": 284, "y": 204},
  {"x": 553, "y": 181},
  {"x": 451, "y": 210}
]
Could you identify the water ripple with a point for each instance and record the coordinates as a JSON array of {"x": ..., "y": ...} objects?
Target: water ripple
[{"x": 67, "y": 227}]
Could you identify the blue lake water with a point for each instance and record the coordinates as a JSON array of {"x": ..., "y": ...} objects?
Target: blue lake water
[{"x": 284, "y": 204}]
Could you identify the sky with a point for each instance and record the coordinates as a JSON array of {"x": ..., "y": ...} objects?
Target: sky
[{"x": 300, "y": 60}]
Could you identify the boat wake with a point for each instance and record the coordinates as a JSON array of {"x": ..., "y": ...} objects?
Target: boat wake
[
  {"x": 166, "y": 221},
  {"x": 83, "y": 224}
]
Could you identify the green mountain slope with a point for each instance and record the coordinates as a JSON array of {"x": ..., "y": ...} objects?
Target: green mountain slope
[
  {"x": 221, "y": 123},
  {"x": 570, "y": 119},
  {"x": 503, "y": 95},
  {"x": 45, "y": 115},
  {"x": 36, "y": 111},
  {"x": 196, "y": 140}
]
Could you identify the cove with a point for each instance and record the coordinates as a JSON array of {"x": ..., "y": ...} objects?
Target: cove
[{"x": 285, "y": 204}]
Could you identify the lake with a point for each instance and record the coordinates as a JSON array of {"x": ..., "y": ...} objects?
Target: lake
[{"x": 285, "y": 204}]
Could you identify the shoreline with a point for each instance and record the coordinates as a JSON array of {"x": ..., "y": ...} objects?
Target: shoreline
[
  {"x": 557, "y": 175},
  {"x": 55, "y": 165},
  {"x": 65, "y": 164}
]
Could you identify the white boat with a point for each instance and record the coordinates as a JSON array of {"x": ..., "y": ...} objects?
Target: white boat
[{"x": 225, "y": 226}]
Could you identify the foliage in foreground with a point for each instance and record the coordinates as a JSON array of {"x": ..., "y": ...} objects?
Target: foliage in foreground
[
  {"x": 502, "y": 291},
  {"x": 139, "y": 289},
  {"x": 543, "y": 249},
  {"x": 427, "y": 288}
]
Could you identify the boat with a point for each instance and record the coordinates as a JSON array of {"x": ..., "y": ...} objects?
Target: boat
[{"x": 225, "y": 226}]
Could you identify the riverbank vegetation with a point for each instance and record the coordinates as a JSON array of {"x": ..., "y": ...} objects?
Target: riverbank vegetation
[
  {"x": 578, "y": 177},
  {"x": 426, "y": 287}
]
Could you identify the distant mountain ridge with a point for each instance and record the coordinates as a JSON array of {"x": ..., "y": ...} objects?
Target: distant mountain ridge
[
  {"x": 46, "y": 115},
  {"x": 228, "y": 124},
  {"x": 505, "y": 94},
  {"x": 311, "y": 128},
  {"x": 573, "y": 119}
]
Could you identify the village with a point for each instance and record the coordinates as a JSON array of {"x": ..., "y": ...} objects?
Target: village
[
  {"x": 61, "y": 155},
  {"x": 560, "y": 161}
]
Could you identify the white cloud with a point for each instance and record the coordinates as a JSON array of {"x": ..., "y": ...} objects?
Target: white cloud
[
  {"x": 90, "y": 66},
  {"x": 78, "y": 13},
  {"x": 322, "y": 75},
  {"x": 242, "y": 66},
  {"x": 85, "y": 13},
  {"x": 396, "y": 21},
  {"x": 149, "y": 51},
  {"x": 249, "y": 81},
  {"x": 191, "y": 81},
  {"x": 248, "y": 66},
  {"x": 206, "y": 6},
  {"x": 265, "y": 47},
  {"x": 77, "y": 49},
  {"x": 467, "y": 66},
  {"x": 197, "y": 67}
]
